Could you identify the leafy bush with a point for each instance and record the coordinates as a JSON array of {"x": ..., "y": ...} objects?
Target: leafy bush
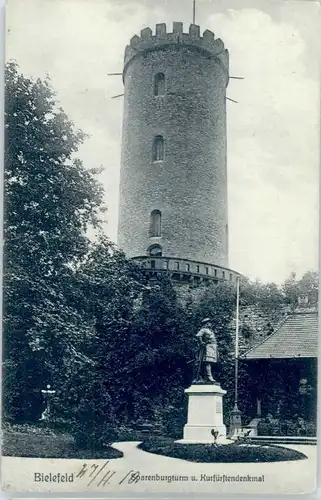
[
  {"x": 229, "y": 453},
  {"x": 246, "y": 332},
  {"x": 128, "y": 434},
  {"x": 94, "y": 437},
  {"x": 311, "y": 429},
  {"x": 279, "y": 427},
  {"x": 175, "y": 419},
  {"x": 39, "y": 429}
]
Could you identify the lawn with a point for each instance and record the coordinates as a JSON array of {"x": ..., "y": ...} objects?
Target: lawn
[
  {"x": 227, "y": 453},
  {"x": 41, "y": 441},
  {"x": 50, "y": 445}
]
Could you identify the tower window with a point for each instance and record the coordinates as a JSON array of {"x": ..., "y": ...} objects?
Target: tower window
[
  {"x": 231, "y": 277},
  {"x": 197, "y": 269},
  {"x": 206, "y": 270},
  {"x": 223, "y": 274},
  {"x": 158, "y": 148},
  {"x": 176, "y": 266},
  {"x": 187, "y": 268},
  {"x": 155, "y": 251},
  {"x": 155, "y": 223},
  {"x": 159, "y": 84}
]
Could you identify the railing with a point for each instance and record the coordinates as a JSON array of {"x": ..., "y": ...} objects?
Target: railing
[{"x": 184, "y": 269}]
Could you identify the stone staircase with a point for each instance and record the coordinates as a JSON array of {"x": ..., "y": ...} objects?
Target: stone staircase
[
  {"x": 249, "y": 434},
  {"x": 283, "y": 440}
]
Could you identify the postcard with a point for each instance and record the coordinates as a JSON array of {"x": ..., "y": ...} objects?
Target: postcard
[{"x": 160, "y": 276}]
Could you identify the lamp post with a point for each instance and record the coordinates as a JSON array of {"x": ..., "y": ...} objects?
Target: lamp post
[{"x": 48, "y": 394}]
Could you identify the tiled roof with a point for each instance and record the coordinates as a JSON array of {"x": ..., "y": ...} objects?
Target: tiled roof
[{"x": 296, "y": 337}]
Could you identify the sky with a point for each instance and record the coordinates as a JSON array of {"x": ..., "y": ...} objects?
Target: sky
[{"x": 273, "y": 130}]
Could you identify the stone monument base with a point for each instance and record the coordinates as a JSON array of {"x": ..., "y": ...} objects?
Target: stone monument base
[{"x": 205, "y": 413}]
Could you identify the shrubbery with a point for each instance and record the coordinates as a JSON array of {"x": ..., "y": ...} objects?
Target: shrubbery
[
  {"x": 39, "y": 429},
  {"x": 235, "y": 453},
  {"x": 89, "y": 436},
  {"x": 282, "y": 427}
]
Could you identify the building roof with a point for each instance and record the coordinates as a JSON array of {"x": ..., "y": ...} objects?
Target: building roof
[{"x": 297, "y": 337}]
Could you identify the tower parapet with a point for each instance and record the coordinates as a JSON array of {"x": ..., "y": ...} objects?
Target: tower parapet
[{"x": 148, "y": 42}]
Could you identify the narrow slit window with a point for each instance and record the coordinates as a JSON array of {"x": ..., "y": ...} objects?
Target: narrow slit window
[
  {"x": 155, "y": 228},
  {"x": 206, "y": 270},
  {"x": 176, "y": 266},
  {"x": 159, "y": 84},
  {"x": 158, "y": 148},
  {"x": 187, "y": 268},
  {"x": 197, "y": 269}
]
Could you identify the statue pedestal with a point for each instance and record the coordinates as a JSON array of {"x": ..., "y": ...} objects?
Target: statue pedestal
[{"x": 205, "y": 412}]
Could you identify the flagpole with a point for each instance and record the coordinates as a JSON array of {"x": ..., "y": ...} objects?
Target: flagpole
[
  {"x": 194, "y": 9},
  {"x": 237, "y": 341},
  {"x": 235, "y": 416}
]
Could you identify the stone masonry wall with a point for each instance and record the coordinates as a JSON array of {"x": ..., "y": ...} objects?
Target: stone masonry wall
[
  {"x": 189, "y": 186},
  {"x": 255, "y": 323}
]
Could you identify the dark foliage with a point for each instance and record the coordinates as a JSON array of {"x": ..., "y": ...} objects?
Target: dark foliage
[
  {"x": 270, "y": 426},
  {"x": 50, "y": 201},
  {"x": 235, "y": 453}
]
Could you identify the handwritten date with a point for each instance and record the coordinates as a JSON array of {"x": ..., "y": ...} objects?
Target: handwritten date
[{"x": 102, "y": 475}]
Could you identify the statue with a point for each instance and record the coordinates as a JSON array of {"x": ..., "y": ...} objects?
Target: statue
[{"x": 207, "y": 354}]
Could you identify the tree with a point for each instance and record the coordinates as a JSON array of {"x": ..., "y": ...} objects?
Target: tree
[
  {"x": 163, "y": 349},
  {"x": 93, "y": 398},
  {"x": 140, "y": 350},
  {"x": 307, "y": 286},
  {"x": 267, "y": 296},
  {"x": 50, "y": 201}
]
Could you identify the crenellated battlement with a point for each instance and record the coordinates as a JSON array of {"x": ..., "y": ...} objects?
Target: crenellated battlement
[{"x": 149, "y": 41}]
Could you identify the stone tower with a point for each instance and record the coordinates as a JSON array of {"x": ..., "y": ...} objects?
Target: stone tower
[{"x": 173, "y": 213}]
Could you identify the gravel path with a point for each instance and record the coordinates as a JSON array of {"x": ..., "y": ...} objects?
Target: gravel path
[{"x": 159, "y": 474}]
